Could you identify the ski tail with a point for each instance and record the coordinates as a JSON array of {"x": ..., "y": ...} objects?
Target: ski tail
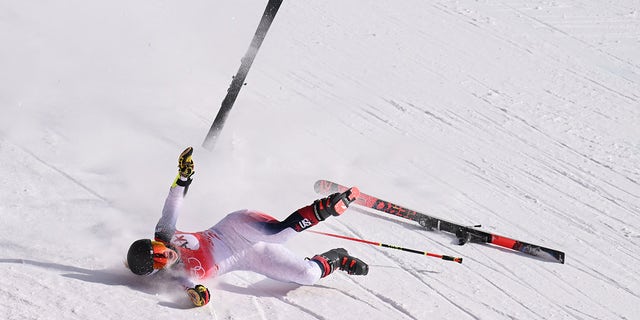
[
  {"x": 463, "y": 233},
  {"x": 528, "y": 248}
]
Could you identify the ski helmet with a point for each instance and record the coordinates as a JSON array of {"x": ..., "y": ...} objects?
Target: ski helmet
[{"x": 140, "y": 257}]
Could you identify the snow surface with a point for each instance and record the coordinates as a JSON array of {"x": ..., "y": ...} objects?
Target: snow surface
[{"x": 522, "y": 116}]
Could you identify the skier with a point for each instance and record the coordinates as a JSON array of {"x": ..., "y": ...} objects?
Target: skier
[{"x": 243, "y": 240}]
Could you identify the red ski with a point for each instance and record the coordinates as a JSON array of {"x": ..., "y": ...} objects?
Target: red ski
[{"x": 464, "y": 234}]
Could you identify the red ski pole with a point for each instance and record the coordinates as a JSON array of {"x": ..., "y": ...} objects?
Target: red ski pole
[{"x": 435, "y": 255}]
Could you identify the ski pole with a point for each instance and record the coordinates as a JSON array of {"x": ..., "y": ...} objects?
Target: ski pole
[
  {"x": 435, "y": 255},
  {"x": 238, "y": 81}
]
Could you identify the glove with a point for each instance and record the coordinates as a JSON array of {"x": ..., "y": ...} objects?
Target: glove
[
  {"x": 199, "y": 295},
  {"x": 185, "y": 170},
  {"x": 185, "y": 163}
]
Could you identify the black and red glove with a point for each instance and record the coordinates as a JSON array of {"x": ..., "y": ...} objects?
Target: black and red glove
[{"x": 199, "y": 295}]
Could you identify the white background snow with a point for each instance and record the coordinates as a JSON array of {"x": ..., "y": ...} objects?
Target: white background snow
[{"x": 522, "y": 116}]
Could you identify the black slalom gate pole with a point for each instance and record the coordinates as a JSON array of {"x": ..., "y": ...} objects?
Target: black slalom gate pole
[
  {"x": 238, "y": 80},
  {"x": 425, "y": 253}
]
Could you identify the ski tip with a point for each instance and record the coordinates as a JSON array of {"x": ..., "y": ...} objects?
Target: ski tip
[
  {"x": 318, "y": 186},
  {"x": 326, "y": 187},
  {"x": 560, "y": 257}
]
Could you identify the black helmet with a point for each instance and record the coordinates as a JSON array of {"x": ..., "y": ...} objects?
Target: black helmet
[{"x": 140, "y": 257}]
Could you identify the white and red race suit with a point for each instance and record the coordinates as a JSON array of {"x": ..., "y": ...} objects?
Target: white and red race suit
[{"x": 243, "y": 240}]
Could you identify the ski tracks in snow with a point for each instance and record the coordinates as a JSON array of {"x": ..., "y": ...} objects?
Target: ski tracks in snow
[
  {"x": 536, "y": 155},
  {"x": 418, "y": 311},
  {"x": 13, "y": 153}
]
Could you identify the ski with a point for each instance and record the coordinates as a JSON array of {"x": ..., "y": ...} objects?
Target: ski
[{"x": 463, "y": 233}]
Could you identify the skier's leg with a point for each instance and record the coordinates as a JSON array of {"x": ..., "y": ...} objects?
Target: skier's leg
[
  {"x": 279, "y": 263},
  {"x": 255, "y": 226},
  {"x": 246, "y": 227}
]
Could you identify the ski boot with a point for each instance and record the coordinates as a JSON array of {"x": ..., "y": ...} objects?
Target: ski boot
[
  {"x": 333, "y": 205},
  {"x": 340, "y": 259}
]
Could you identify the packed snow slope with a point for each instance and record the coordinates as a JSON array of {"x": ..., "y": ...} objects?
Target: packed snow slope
[{"x": 522, "y": 116}]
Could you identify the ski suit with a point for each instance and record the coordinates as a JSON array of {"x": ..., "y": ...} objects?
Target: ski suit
[{"x": 243, "y": 240}]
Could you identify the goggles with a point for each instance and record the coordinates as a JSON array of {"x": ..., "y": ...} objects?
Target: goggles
[{"x": 160, "y": 254}]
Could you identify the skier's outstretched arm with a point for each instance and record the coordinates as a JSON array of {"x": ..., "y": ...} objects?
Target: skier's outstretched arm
[{"x": 166, "y": 226}]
